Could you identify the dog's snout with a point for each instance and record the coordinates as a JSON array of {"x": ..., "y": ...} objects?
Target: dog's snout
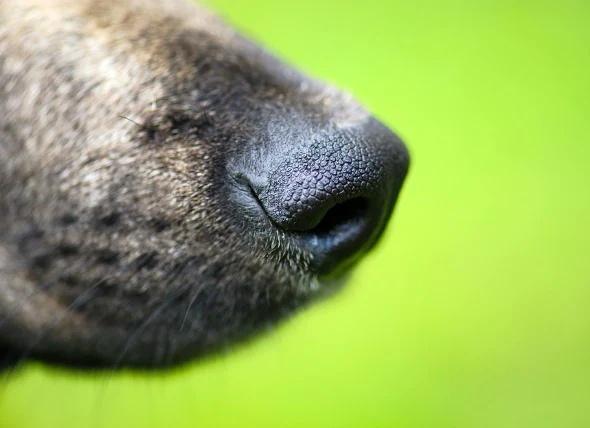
[{"x": 336, "y": 193}]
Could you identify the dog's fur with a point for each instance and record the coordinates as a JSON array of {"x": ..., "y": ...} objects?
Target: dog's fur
[{"x": 121, "y": 126}]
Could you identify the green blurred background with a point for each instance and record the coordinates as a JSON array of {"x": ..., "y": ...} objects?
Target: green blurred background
[{"x": 473, "y": 312}]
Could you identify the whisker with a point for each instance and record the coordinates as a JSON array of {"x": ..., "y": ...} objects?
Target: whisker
[
  {"x": 190, "y": 305},
  {"x": 132, "y": 121},
  {"x": 43, "y": 287},
  {"x": 80, "y": 300},
  {"x": 139, "y": 330},
  {"x": 177, "y": 271},
  {"x": 83, "y": 298}
]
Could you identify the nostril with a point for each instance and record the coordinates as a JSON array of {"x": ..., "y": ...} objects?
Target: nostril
[
  {"x": 342, "y": 232},
  {"x": 347, "y": 214}
]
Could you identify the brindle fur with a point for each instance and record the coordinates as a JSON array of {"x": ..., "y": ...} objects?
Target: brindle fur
[{"x": 120, "y": 123}]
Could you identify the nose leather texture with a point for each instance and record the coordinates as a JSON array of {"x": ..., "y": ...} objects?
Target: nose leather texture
[{"x": 306, "y": 186}]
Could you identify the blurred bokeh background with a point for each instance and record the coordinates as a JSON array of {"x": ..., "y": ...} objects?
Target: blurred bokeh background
[{"x": 474, "y": 312}]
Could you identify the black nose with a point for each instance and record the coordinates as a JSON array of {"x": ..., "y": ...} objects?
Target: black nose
[{"x": 335, "y": 193}]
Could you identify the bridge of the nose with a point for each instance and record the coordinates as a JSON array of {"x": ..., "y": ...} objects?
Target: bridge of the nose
[{"x": 304, "y": 187}]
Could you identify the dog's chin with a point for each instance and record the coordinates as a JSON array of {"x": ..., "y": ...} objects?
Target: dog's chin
[{"x": 110, "y": 331}]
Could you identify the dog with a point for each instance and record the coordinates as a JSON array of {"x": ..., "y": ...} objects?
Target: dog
[{"x": 168, "y": 187}]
